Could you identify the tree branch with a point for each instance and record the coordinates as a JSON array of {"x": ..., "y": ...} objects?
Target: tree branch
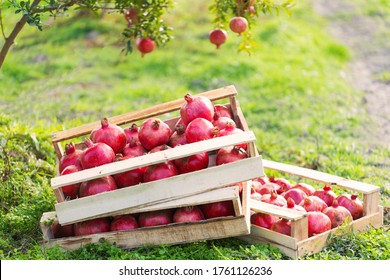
[{"x": 10, "y": 40}]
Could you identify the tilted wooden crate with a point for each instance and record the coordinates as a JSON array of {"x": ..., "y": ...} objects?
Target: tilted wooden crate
[
  {"x": 299, "y": 244},
  {"x": 195, "y": 188}
]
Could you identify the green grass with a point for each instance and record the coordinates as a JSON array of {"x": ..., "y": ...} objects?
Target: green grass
[{"x": 292, "y": 93}]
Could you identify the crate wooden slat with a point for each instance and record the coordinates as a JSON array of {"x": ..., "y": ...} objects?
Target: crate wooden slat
[
  {"x": 299, "y": 244},
  {"x": 175, "y": 233}
]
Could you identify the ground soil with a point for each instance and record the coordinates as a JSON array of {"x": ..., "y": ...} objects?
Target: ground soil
[{"x": 367, "y": 38}]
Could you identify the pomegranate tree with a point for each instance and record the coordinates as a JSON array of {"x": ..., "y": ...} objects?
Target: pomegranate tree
[
  {"x": 154, "y": 132},
  {"x": 96, "y": 154},
  {"x": 110, "y": 134},
  {"x": 217, "y": 37}
]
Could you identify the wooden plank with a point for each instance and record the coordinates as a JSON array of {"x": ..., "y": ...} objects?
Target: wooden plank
[
  {"x": 274, "y": 237},
  {"x": 152, "y": 111},
  {"x": 158, "y": 191},
  {"x": 371, "y": 203},
  {"x": 169, "y": 234},
  {"x": 321, "y": 177},
  {"x": 153, "y": 158},
  {"x": 286, "y": 213},
  {"x": 299, "y": 228}
]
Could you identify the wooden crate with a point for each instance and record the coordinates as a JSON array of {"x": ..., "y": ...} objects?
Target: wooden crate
[
  {"x": 299, "y": 244},
  {"x": 200, "y": 187}
]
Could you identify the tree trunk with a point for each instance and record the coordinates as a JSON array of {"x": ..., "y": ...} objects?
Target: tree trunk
[{"x": 10, "y": 40}]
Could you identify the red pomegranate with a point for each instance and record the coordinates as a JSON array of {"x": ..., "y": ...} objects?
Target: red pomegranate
[
  {"x": 222, "y": 111},
  {"x": 222, "y": 122},
  {"x": 155, "y": 218},
  {"x": 282, "y": 226},
  {"x": 60, "y": 231},
  {"x": 70, "y": 157},
  {"x": 188, "y": 214},
  {"x": 263, "y": 220},
  {"x": 128, "y": 178},
  {"x": 97, "y": 225},
  {"x": 71, "y": 191},
  {"x": 131, "y": 16},
  {"x": 337, "y": 214},
  {"x": 284, "y": 184},
  {"x": 98, "y": 185},
  {"x": 124, "y": 222},
  {"x": 238, "y": 24},
  {"x": 131, "y": 132},
  {"x": 308, "y": 189},
  {"x": 230, "y": 154},
  {"x": 268, "y": 187},
  {"x": 96, "y": 154},
  {"x": 232, "y": 129},
  {"x": 110, "y": 134},
  {"x": 274, "y": 198},
  {"x": 192, "y": 163},
  {"x": 296, "y": 194},
  {"x": 178, "y": 137},
  {"x": 263, "y": 180},
  {"x": 160, "y": 171},
  {"x": 154, "y": 132},
  {"x": 291, "y": 205},
  {"x": 313, "y": 203},
  {"x": 352, "y": 203},
  {"x": 196, "y": 107},
  {"x": 326, "y": 194},
  {"x": 145, "y": 45},
  {"x": 134, "y": 148},
  {"x": 218, "y": 209},
  {"x": 218, "y": 37},
  {"x": 200, "y": 129},
  {"x": 318, "y": 223}
]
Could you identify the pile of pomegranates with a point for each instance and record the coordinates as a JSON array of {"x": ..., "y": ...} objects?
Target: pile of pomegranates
[{"x": 326, "y": 209}]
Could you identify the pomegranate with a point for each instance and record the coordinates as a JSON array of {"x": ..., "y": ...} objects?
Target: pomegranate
[
  {"x": 308, "y": 189},
  {"x": 255, "y": 196},
  {"x": 97, "y": 225},
  {"x": 318, "y": 223},
  {"x": 145, "y": 45},
  {"x": 263, "y": 220},
  {"x": 222, "y": 111},
  {"x": 282, "y": 226},
  {"x": 238, "y": 24},
  {"x": 274, "y": 198},
  {"x": 154, "y": 132},
  {"x": 160, "y": 148},
  {"x": 326, "y": 194},
  {"x": 218, "y": 37},
  {"x": 192, "y": 163},
  {"x": 200, "y": 129},
  {"x": 296, "y": 194},
  {"x": 230, "y": 129},
  {"x": 131, "y": 16},
  {"x": 131, "y": 132},
  {"x": 130, "y": 177},
  {"x": 313, "y": 203},
  {"x": 230, "y": 154},
  {"x": 155, "y": 218},
  {"x": 255, "y": 186},
  {"x": 337, "y": 214},
  {"x": 221, "y": 122},
  {"x": 98, "y": 185},
  {"x": 352, "y": 203},
  {"x": 60, "y": 231},
  {"x": 218, "y": 209},
  {"x": 268, "y": 187},
  {"x": 71, "y": 191},
  {"x": 70, "y": 157},
  {"x": 123, "y": 222},
  {"x": 196, "y": 107},
  {"x": 110, "y": 134},
  {"x": 178, "y": 137},
  {"x": 263, "y": 180},
  {"x": 160, "y": 171},
  {"x": 134, "y": 148},
  {"x": 188, "y": 214},
  {"x": 96, "y": 154},
  {"x": 291, "y": 205},
  {"x": 282, "y": 182}
]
